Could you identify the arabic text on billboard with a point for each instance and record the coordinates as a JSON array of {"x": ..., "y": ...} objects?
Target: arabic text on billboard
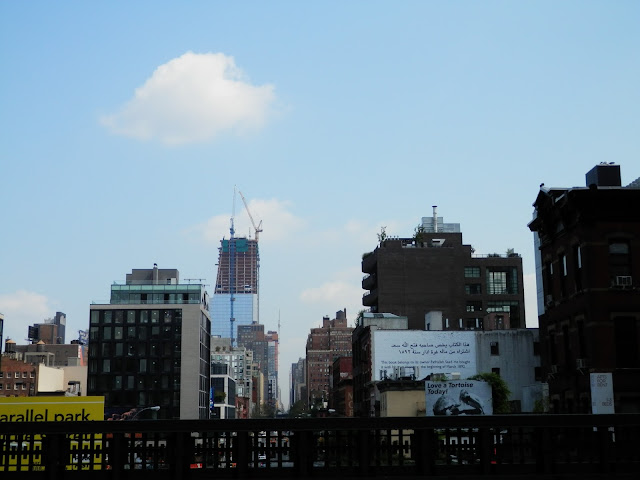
[{"x": 420, "y": 353}]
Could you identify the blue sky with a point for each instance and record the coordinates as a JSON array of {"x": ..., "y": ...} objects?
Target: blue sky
[{"x": 124, "y": 127}]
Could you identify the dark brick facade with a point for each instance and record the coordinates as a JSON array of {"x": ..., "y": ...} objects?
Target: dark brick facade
[
  {"x": 589, "y": 263},
  {"x": 439, "y": 273}
]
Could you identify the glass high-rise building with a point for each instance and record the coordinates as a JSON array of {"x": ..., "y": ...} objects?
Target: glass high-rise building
[{"x": 237, "y": 287}]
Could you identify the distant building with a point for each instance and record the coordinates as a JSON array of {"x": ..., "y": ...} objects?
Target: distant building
[
  {"x": 237, "y": 278},
  {"x": 588, "y": 271},
  {"x": 324, "y": 346},
  {"x": 17, "y": 378},
  {"x": 150, "y": 346},
  {"x": 54, "y": 355},
  {"x": 433, "y": 271},
  {"x": 341, "y": 393},
  {"x": 239, "y": 363},
  {"x": 298, "y": 382},
  {"x": 223, "y": 388},
  {"x": 51, "y": 331},
  {"x": 265, "y": 353}
]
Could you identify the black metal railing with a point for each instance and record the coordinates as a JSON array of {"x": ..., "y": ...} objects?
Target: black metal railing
[{"x": 539, "y": 446}]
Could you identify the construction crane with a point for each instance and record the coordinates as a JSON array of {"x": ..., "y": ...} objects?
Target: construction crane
[
  {"x": 232, "y": 267},
  {"x": 257, "y": 229}
]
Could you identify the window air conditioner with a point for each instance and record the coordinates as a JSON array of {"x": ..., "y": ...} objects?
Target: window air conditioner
[{"x": 623, "y": 281}]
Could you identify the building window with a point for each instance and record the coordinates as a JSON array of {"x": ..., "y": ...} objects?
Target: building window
[
  {"x": 473, "y": 289},
  {"x": 16, "y": 374},
  {"x": 496, "y": 371},
  {"x": 495, "y": 349},
  {"x": 474, "y": 306},
  {"x": 537, "y": 373},
  {"x": 619, "y": 261},
  {"x": 502, "y": 281},
  {"x": 511, "y": 307},
  {"x": 24, "y": 374},
  {"x": 577, "y": 261},
  {"x": 472, "y": 272}
]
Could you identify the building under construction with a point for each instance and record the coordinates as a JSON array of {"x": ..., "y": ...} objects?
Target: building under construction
[{"x": 236, "y": 292}]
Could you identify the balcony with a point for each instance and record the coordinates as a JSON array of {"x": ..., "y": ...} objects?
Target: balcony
[
  {"x": 369, "y": 262},
  {"x": 369, "y": 281},
  {"x": 370, "y": 299}
]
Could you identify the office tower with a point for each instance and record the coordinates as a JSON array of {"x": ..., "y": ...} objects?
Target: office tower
[
  {"x": 441, "y": 284},
  {"x": 150, "y": 346},
  {"x": 589, "y": 264},
  {"x": 236, "y": 292}
]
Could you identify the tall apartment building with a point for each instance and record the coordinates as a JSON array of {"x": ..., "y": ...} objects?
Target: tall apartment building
[
  {"x": 237, "y": 286},
  {"x": 265, "y": 353},
  {"x": 588, "y": 269},
  {"x": 324, "y": 346},
  {"x": 150, "y": 346},
  {"x": 441, "y": 284}
]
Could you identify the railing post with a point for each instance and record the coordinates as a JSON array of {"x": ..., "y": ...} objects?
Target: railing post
[
  {"x": 116, "y": 453},
  {"x": 181, "y": 456},
  {"x": 52, "y": 455},
  {"x": 423, "y": 451},
  {"x": 364, "y": 452},
  {"x": 485, "y": 444},
  {"x": 302, "y": 447},
  {"x": 604, "y": 444},
  {"x": 242, "y": 453}
]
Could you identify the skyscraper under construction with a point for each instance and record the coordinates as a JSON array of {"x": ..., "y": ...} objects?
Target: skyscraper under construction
[{"x": 236, "y": 292}]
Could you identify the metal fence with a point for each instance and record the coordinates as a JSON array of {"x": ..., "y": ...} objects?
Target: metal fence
[{"x": 535, "y": 446}]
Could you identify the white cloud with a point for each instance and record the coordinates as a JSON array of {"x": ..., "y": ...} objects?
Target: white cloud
[
  {"x": 21, "y": 309},
  {"x": 193, "y": 98},
  {"x": 277, "y": 222},
  {"x": 343, "y": 292}
]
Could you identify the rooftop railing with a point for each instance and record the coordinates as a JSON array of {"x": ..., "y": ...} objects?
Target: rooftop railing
[{"x": 535, "y": 446}]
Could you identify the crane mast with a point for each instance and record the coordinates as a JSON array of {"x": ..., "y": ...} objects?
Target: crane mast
[{"x": 232, "y": 269}]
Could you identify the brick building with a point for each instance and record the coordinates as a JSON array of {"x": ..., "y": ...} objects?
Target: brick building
[
  {"x": 324, "y": 346},
  {"x": 588, "y": 265},
  {"x": 433, "y": 271}
]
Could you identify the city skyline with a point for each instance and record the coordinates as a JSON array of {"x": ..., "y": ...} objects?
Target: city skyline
[{"x": 126, "y": 127}]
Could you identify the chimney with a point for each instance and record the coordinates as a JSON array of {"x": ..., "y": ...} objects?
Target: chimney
[{"x": 435, "y": 219}]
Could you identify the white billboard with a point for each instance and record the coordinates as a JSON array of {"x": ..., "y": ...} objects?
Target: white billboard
[
  {"x": 458, "y": 397},
  {"x": 420, "y": 353},
  {"x": 602, "y": 393}
]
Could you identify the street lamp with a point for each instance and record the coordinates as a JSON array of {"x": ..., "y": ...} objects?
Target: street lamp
[{"x": 154, "y": 408}]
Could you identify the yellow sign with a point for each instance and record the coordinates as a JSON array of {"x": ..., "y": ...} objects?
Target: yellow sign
[
  {"x": 51, "y": 409},
  {"x": 23, "y": 452}
]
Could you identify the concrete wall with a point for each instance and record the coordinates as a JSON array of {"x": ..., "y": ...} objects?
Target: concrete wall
[
  {"x": 515, "y": 358},
  {"x": 190, "y": 361}
]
